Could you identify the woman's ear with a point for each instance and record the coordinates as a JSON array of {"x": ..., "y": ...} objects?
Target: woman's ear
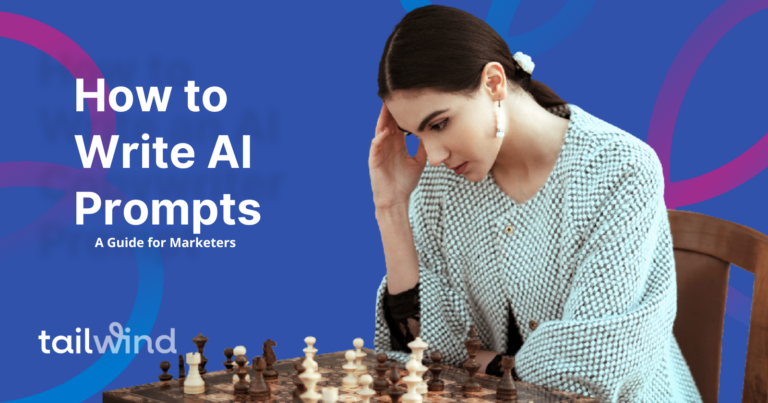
[{"x": 495, "y": 81}]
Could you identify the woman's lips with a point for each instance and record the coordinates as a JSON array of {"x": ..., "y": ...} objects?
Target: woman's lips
[{"x": 461, "y": 168}]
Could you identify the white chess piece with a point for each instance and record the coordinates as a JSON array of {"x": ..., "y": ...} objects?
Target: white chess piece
[
  {"x": 310, "y": 378},
  {"x": 240, "y": 350},
  {"x": 366, "y": 392},
  {"x": 350, "y": 381},
  {"x": 412, "y": 380},
  {"x": 361, "y": 368},
  {"x": 330, "y": 394},
  {"x": 310, "y": 353},
  {"x": 418, "y": 346},
  {"x": 193, "y": 384}
]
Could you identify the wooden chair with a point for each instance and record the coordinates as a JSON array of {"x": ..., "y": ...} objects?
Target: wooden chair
[{"x": 704, "y": 249}]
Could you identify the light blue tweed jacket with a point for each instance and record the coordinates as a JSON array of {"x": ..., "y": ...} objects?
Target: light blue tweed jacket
[{"x": 586, "y": 264}]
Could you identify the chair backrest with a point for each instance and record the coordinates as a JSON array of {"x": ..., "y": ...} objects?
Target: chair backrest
[{"x": 704, "y": 249}]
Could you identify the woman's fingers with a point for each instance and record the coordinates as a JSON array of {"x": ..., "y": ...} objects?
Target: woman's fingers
[
  {"x": 421, "y": 155},
  {"x": 381, "y": 123}
]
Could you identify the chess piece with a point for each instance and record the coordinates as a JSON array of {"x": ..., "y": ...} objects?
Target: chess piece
[
  {"x": 436, "y": 384},
  {"x": 270, "y": 374},
  {"x": 300, "y": 388},
  {"x": 381, "y": 383},
  {"x": 165, "y": 376},
  {"x": 330, "y": 394},
  {"x": 200, "y": 341},
  {"x": 259, "y": 390},
  {"x": 472, "y": 366},
  {"x": 506, "y": 389},
  {"x": 228, "y": 352},
  {"x": 240, "y": 350},
  {"x": 359, "y": 354},
  {"x": 393, "y": 391},
  {"x": 194, "y": 384},
  {"x": 366, "y": 392},
  {"x": 310, "y": 378},
  {"x": 412, "y": 380},
  {"x": 310, "y": 352},
  {"x": 418, "y": 346},
  {"x": 350, "y": 381},
  {"x": 241, "y": 387},
  {"x": 182, "y": 369}
]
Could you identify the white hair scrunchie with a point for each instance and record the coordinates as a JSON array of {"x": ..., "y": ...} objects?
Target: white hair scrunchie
[{"x": 524, "y": 61}]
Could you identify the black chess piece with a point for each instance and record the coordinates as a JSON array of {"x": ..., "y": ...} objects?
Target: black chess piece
[
  {"x": 472, "y": 366},
  {"x": 200, "y": 341},
  {"x": 380, "y": 384},
  {"x": 228, "y": 352},
  {"x": 436, "y": 384},
  {"x": 506, "y": 389},
  {"x": 270, "y": 373},
  {"x": 259, "y": 390},
  {"x": 182, "y": 369},
  {"x": 300, "y": 387},
  {"x": 165, "y": 376},
  {"x": 241, "y": 387},
  {"x": 394, "y": 392}
]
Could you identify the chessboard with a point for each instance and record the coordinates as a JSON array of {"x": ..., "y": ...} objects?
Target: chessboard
[{"x": 219, "y": 386}]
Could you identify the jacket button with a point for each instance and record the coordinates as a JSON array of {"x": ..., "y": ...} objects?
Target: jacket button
[
  {"x": 509, "y": 229},
  {"x": 533, "y": 324}
]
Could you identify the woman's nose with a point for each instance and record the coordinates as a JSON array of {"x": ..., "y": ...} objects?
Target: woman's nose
[{"x": 436, "y": 154}]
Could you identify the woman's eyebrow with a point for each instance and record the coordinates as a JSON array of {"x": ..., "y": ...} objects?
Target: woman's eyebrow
[{"x": 425, "y": 121}]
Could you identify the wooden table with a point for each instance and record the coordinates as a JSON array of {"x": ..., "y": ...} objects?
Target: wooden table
[{"x": 219, "y": 387}]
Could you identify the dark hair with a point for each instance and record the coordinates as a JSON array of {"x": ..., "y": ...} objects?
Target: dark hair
[{"x": 445, "y": 49}]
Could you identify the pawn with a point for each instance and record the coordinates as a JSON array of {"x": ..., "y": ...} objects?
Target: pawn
[
  {"x": 241, "y": 387},
  {"x": 360, "y": 355},
  {"x": 240, "y": 350},
  {"x": 366, "y": 392},
  {"x": 506, "y": 389},
  {"x": 259, "y": 390},
  {"x": 394, "y": 392},
  {"x": 436, "y": 384},
  {"x": 235, "y": 378},
  {"x": 350, "y": 381},
  {"x": 165, "y": 376},
  {"x": 228, "y": 352},
  {"x": 381, "y": 383},
  {"x": 330, "y": 394}
]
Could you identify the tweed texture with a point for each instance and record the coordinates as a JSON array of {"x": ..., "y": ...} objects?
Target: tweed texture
[{"x": 588, "y": 268}]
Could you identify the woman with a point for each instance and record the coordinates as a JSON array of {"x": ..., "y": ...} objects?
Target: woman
[{"x": 522, "y": 214}]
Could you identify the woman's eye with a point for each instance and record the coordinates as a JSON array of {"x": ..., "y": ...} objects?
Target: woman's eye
[{"x": 440, "y": 125}]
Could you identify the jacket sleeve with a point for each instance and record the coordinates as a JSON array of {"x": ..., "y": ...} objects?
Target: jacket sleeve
[
  {"x": 617, "y": 321},
  {"x": 443, "y": 321},
  {"x": 403, "y": 316}
]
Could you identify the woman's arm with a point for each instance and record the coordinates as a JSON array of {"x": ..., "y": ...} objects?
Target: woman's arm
[
  {"x": 399, "y": 250},
  {"x": 615, "y": 340}
]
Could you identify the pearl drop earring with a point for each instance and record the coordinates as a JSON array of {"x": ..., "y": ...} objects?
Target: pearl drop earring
[{"x": 499, "y": 128}]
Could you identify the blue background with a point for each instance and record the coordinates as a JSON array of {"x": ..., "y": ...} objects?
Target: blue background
[{"x": 301, "y": 80}]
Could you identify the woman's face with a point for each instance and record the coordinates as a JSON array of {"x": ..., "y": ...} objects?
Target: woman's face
[{"x": 454, "y": 129}]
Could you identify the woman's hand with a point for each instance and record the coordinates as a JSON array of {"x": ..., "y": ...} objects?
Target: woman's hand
[{"x": 394, "y": 173}]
